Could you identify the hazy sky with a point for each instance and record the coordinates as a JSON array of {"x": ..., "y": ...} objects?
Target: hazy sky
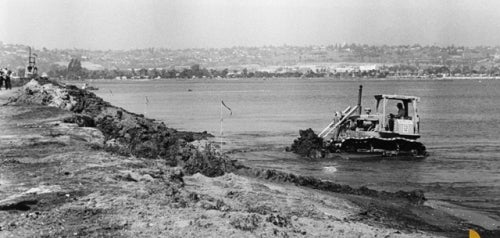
[{"x": 129, "y": 24}]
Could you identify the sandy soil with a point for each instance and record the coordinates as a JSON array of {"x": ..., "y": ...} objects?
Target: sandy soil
[{"x": 57, "y": 181}]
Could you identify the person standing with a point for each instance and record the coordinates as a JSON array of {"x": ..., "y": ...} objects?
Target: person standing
[
  {"x": 4, "y": 77},
  {"x": 8, "y": 84},
  {"x": 1, "y": 79}
]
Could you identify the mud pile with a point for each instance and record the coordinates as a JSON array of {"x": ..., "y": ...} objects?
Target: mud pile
[
  {"x": 127, "y": 133},
  {"x": 308, "y": 145}
]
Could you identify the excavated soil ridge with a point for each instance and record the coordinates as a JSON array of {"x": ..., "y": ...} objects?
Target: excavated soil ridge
[{"x": 127, "y": 133}]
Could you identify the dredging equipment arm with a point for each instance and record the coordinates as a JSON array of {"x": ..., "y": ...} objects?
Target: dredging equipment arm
[
  {"x": 334, "y": 121},
  {"x": 346, "y": 116},
  {"x": 332, "y": 126}
]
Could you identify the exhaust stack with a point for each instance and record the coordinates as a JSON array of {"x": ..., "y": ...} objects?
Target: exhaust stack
[{"x": 359, "y": 98}]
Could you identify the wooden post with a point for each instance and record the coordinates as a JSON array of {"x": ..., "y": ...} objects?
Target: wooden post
[{"x": 221, "y": 119}]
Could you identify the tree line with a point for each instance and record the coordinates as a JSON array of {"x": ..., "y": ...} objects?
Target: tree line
[{"x": 75, "y": 71}]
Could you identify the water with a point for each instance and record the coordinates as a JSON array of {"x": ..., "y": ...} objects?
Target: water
[{"x": 460, "y": 125}]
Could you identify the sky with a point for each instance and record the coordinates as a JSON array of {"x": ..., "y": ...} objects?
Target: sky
[{"x": 177, "y": 24}]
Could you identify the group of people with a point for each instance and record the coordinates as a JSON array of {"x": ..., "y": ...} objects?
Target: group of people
[{"x": 5, "y": 75}]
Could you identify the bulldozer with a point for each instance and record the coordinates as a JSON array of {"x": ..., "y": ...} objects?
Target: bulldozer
[{"x": 381, "y": 133}]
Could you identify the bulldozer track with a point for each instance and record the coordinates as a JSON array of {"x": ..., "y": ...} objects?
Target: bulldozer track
[{"x": 387, "y": 146}]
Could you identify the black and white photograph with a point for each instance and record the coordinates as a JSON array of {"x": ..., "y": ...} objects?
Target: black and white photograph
[{"x": 250, "y": 118}]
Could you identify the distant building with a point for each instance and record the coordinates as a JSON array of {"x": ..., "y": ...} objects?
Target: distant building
[
  {"x": 364, "y": 68},
  {"x": 346, "y": 69}
]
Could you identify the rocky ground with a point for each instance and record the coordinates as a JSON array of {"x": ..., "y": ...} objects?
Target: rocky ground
[{"x": 68, "y": 168}]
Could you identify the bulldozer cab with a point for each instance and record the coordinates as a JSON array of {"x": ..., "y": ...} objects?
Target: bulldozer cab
[{"x": 408, "y": 124}]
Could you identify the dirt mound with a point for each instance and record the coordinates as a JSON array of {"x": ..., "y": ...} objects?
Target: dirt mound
[
  {"x": 308, "y": 144},
  {"x": 206, "y": 162},
  {"x": 126, "y": 133}
]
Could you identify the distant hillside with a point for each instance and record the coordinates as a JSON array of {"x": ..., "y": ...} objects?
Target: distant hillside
[{"x": 416, "y": 56}]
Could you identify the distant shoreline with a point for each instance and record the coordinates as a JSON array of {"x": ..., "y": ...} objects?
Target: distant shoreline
[{"x": 392, "y": 78}]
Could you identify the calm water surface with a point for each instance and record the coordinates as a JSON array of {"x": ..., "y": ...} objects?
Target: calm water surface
[{"x": 460, "y": 125}]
